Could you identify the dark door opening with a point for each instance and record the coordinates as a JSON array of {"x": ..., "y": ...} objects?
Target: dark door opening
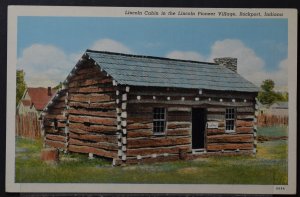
[{"x": 198, "y": 128}]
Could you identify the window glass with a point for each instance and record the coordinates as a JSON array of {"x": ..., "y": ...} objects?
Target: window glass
[
  {"x": 159, "y": 120},
  {"x": 230, "y": 120}
]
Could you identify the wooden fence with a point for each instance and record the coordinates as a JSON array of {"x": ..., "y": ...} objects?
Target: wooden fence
[
  {"x": 272, "y": 120},
  {"x": 28, "y": 125}
]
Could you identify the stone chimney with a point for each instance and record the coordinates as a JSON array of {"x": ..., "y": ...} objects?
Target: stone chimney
[
  {"x": 49, "y": 91},
  {"x": 228, "y": 62}
]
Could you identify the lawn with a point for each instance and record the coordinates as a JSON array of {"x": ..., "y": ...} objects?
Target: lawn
[{"x": 269, "y": 166}]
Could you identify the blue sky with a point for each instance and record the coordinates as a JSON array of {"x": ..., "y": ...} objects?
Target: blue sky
[{"x": 259, "y": 44}]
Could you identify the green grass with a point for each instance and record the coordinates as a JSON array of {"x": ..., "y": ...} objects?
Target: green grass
[
  {"x": 273, "y": 131},
  {"x": 269, "y": 166}
]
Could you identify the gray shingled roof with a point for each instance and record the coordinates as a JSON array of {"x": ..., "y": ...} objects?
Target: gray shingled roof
[{"x": 163, "y": 72}]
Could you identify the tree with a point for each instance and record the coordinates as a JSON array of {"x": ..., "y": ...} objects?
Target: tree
[
  {"x": 267, "y": 95},
  {"x": 21, "y": 85},
  {"x": 268, "y": 85},
  {"x": 58, "y": 86}
]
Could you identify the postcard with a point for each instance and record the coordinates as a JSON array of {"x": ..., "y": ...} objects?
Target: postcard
[{"x": 151, "y": 100}]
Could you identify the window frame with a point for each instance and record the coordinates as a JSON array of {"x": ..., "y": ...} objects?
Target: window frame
[
  {"x": 232, "y": 117},
  {"x": 164, "y": 120}
]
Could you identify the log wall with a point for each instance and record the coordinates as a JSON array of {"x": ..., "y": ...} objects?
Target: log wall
[
  {"x": 240, "y": 140},
  {"x": 89, "y": 106},
  {"x": 54, "y": 123},
  {"x": 144, "y": 145}
]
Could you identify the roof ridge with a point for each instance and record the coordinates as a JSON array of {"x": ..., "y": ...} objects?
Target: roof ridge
[{"x": 149, "y": 57}]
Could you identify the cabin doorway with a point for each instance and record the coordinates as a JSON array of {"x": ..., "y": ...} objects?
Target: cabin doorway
[{"x": 198, "y": 128}]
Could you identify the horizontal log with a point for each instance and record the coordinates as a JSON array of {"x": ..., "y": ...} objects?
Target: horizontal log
[
  {"x": 57, "y": 117},
  {"x": 244, "y": 130},
  {"x": 245, "y": 109},
  {"x": 180, "y": 118},
  {"x": 55, "y": 144},
  {"x": 107, "y": 105},
  {"x": 93, "y": 120},
  {"x": 215, "y": 131},
  {"x": 191, "y": 92},
  {"x": 147, "y": 118},
  {"x": 176, "y": 125},
  {"x": 230, "y": 138},
  {"x": 89, "y": 82},
  {"x": 178, "y": 132},
  {"x": 238, "y": 96},
  {"x": 178, "y": 96},
  {"x": 190, "y": 102},
  {"x": 94, "y": 138},
  {"x": 92, "y": 89},
  {"x": 156, "y": 142},
  {"x": 81, "y": 128},
  {"x": 243, "y": 123},
  {"x": 163, "y": 93},
  {"x": 139, "y": 109},
  {"x": 86, "y": 73},
  {"x": 101, "y": 145},
  {"x": 245, "y": 117},
  {"x": 139, "y": 133},
  {"x": 135, "y": 126},
  {"x": 51, "y": 123},
  {"x": 51, "y": 130},
  {"x": 96, "y": 151},
  {"x": 110, "y": 114},
  {"x": 78, "y": 77},
  {"x": 56, "y": 137},
  {"x": 219, "y": 147},
  {"x": 178, "y": 113},
  {"x": 179, "y": 109},
  {"x": 216, "y": 109},
  {"x": 157, "y": 150},
  {"x": 213, "y": 117},
  {"x": 90, "y": 69},
  {"x": 94, "y": 98}
]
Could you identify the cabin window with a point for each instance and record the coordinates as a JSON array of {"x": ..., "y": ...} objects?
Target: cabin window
[
  {"x": 230, "y": 120},
  {"x": 159, "y": 120}
]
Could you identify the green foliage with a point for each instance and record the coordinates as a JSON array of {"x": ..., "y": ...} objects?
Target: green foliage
[
  {"x": 268, "y": 96},
  {"x": 284, "y": 97},
  {"x": 21, "y": 85},
  {"x": 268, "y": 167},
  {"x": 58, "y": 86},
  {"x": 267, "y": 85}
]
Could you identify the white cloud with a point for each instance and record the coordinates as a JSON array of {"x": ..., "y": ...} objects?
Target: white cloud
[
  {"x": 44, "y": 65},
  {"x": 250, "y": 65},
  {"x": 280, "y": 76},
  {"x": 110, "y": 45},
  {"x": 186, "y": 55},
  {"x": 47, "y": 65}
]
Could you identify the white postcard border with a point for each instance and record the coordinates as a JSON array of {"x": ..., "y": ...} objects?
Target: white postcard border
[{"x": 11, "y": 186}]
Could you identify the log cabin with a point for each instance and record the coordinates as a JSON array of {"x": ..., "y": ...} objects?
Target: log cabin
[{"x": 136, "y": 109}]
